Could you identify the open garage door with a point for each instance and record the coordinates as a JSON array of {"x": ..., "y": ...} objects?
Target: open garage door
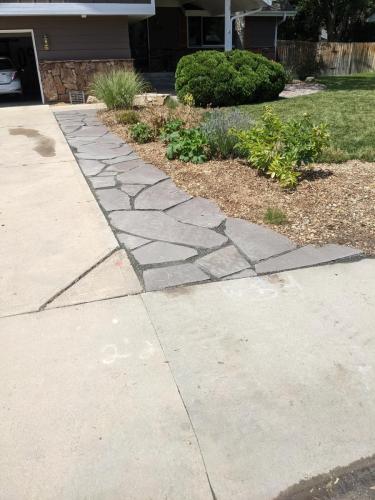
[{"x": 19, "y": 76}]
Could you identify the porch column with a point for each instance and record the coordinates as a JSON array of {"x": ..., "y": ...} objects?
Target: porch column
[{"x": 228, "y": 44}]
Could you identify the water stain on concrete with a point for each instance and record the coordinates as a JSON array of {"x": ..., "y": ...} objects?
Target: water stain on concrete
[
  {"x": 45, "y": 146},
  {"x": 353, "y": 482}
]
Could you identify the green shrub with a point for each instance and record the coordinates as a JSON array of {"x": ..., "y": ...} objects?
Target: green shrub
[
  {"x": 171, "y": 126},
  {"x": 218, "y": 128},
  {"x": 275, "y": 216},
  {"x": 279, "y": 148},
  {"x": 128, "y": 117},
  {"x": 118, "y": 88},
  {"x": 228, "y": 78},
  {"x": 187, "y": 145},
  {"x": 142, "y": 133}
]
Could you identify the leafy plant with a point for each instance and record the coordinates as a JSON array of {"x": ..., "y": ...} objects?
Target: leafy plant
[
  {"x": 279, "y": 148},
  {"x": 218, "y": 128},
  {"x": 275, "y": 216},
  {"x": 171, "y": 126},
  {"x": 228, "y": 78},
  {"x": 128, "y": 117},
  {"x": 187, "y": 145},
  {"x": 118, "y": 88},
  {"x": 142, "y": 133}
]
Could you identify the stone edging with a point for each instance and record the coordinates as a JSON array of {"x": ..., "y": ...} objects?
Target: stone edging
[{"x": 171, "y": 238}]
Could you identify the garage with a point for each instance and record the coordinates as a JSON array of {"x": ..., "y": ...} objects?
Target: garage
[{"x": 19, "y": 74}]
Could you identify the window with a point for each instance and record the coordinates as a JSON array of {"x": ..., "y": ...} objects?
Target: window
[{"x": 206, "y": 31}]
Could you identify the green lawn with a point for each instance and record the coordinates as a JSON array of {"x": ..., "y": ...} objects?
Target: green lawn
[{"x": 348, "y": 107}]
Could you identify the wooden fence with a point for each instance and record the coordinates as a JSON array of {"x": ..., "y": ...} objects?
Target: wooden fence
[{"x": 327, "y": 58}]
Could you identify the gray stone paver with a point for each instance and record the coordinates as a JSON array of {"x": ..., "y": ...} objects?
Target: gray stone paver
[
  {"x": 161, "y": 196},
  {"x": 146, "y": 174},
  {"x": 113, "y": 199},
  {"x": 165, "y": 277},
  {"x": 131, "y": 242},
  {"x": 132, "y": 189},
  {"x": 91, "y": 167},
  {"x": 160, "y": 252},
  {"x": 256, "y": 242},
  {"x": 102, "y": 182},
  {"x": 199, "y": 212},
  {"x": 172, "y": 238},
  {"x": 309, "y": 255},
  {"x": 155, "y": 225},
  {"x": 225, "y": 261}
]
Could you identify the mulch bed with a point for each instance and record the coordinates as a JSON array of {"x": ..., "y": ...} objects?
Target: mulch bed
[{"x": 333, "y": 203}]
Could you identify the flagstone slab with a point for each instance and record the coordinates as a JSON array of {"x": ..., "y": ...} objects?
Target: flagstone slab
[
  {"x": 161, "y": 196},
  {"x": 91, "y": 167},
  {"x": 119, "y": 159},
  {"x": 199, "y": 212},
  {"x": 102, "y": 182},
  {"x": 247, "y": 273},
  {"x": 160, "y": 252},
  {"x": 89, "y": 131},
  {"x": 146, "y": 174},
  {"x": 124, "y": 166},
  {"x": 131, "y": 242},
  {"x": 222, "y": 262},
  {"x": 165, "y": 277},
  {"x": 155, "y": 225},
  {"x": 256, "y": 242},
  {"x": 94, "y": 152},
  {"x": 132, "y": 189},
  {"x": 309, "y": 255},
  {"x": 113, "y": 199}
]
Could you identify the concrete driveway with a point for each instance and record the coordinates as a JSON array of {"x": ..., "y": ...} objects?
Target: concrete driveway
[
  {"x": 230, "y": 390},
  {"x": 52, "y": 231}
]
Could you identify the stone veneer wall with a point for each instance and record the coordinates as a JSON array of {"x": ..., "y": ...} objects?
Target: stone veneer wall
[{"x": 59, "y": 77}]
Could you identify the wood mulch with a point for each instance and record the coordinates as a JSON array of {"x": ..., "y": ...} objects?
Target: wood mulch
[{"x": 334, "y": 203}]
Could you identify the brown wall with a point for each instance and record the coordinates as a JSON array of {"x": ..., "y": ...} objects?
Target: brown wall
[
  {"x": 260, "y": 35},
  {"x": 73, "y": 38}
]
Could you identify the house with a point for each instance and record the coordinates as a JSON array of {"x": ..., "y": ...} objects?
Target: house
[{"x": 59, "y": 45}]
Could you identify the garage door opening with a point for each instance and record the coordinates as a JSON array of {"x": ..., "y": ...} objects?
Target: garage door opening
[{"x": 19, "y": 76}]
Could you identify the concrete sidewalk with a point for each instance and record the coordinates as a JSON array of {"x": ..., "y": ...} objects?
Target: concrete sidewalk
[
  {"x": 51, "y": 229},
  {"x": 238, "y": 390}
]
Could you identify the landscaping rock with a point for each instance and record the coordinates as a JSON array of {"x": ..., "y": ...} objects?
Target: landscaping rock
[
  {"x": 113, "y": 199},
  {"x": 160, "y": 252},
  {"x": 131, "y": 242},
  {"x": 102, "y": 182},
  {"x": 159, "y": 226},
  {"x": 147, "y": 174},
  {"x": 309, "y": 255},
  {"x": 256, "y": 242},
  {"x": 160, "y": 197},
  {"x": 150, "y": 99},
  {"x": 199, "y": 212},
  {"x": 164, "y": 277},
  {"x": 92, "y": 100},
  {"x": 225, "y": 261}
]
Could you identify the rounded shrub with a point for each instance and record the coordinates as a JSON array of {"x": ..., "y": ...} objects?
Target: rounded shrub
[{"x": 229, "y": 78}]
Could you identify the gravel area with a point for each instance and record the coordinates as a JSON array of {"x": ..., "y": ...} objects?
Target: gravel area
[{"x": 334, "y": 203}]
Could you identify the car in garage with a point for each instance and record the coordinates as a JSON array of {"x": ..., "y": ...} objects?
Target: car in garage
[{"x": 10, "y": 82}]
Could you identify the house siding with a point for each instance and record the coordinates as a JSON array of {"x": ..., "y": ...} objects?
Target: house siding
[
  {"x": 75, "y": 38},
  {"x": 259, "y": 35}
]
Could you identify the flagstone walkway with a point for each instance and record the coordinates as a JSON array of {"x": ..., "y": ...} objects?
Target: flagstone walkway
[{"x": 171, "y": 238}]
